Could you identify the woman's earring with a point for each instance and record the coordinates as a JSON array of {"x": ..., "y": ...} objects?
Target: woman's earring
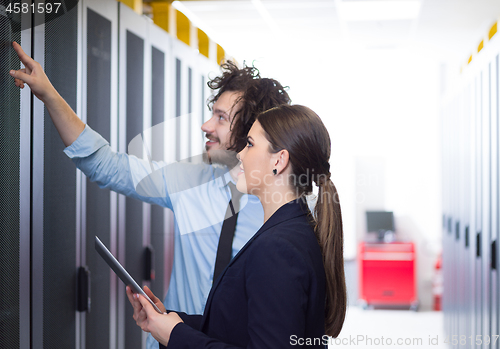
[{"x": 275, "y": 172}]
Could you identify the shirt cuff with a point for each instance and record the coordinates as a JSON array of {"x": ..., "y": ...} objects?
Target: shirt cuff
[{"x": 87, "y": 143}]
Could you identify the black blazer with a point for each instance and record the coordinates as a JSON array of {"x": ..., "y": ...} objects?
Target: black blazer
[{"x": 271, "y": 295}]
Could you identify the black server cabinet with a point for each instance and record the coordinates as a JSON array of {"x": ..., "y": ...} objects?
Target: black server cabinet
[
  {"x": 202, "y": 68},
  {"x": 54, "y": 222},
  {"x": 447, "y": 219},
  {"x": 460, "y": 212},
  {"x": 184, "y": 59},
  {"x": 158, "y": 227},
  {"x": 478, "y": 280},
  {"x": 472, "y": 314},
  {"x": 134, "y": 216},
  {"x": 159, "y": 47},
  {"x": 494, "y": 103},
  {"x": 178, "y": 107},
  {"x": 485, "y": 207},
  {"x": 15, "y": 207},
  {"x": 454, "y": 209},
  {"x": 468, "y": 188},
  {"x": 456, "y": 180},
  {"x": 99, "y": 206},
  {"x": 474, "y": 228},
  {"x": 190, "y": 113}
]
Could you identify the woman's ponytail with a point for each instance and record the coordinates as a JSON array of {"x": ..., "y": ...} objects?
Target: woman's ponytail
[{"x": 330, "y": 237}]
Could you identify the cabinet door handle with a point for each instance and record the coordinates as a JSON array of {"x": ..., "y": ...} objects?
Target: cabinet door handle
[
  {"x": 494, "y": 255},
  {"x": 478, "y": 244},
  {"x": 83, "y": 299},
  {"x": 149, "y": 269}
]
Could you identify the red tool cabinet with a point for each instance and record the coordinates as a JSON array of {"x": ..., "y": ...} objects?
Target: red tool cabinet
[{"x": 387, "y": 274}]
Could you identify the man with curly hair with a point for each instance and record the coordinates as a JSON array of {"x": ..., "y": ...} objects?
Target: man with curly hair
[{"x": 198, "y": 194}]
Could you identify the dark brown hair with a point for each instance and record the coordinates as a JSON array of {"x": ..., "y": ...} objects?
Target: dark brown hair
[
  {"x": 259, "y": 94},
  {"x": 302, "y": 133}
]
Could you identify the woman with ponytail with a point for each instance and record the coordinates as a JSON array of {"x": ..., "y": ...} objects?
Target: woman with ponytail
[{"x": 286, "y": 286}]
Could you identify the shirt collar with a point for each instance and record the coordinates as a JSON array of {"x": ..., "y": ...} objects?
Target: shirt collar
[{"x": 224, "y": 177}]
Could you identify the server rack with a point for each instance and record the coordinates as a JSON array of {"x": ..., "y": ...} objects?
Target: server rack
[
  {"x": 133, "y": 214},
  {"x": 494, "y": 207},
  {"x": 162, "y": 224},
  {"x": 184, "y": 65},
  {"x": 205, "y": 70},
  {"x": 470, "y": 228},
  {"x": 99, "y": 82},
  {"x": 471, "y": 290},
  {"x": 54, "y": 219},
  {"x": 460, "y": 214},
  {"x": 478, "y": 198},
  {"x": 485, "y": 207},
  {"x": 50, "y": 211},
  {"x": 15, "y": 178}
]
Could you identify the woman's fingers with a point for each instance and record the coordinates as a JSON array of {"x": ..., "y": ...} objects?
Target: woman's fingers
[
  {"x": 155, "y": 299},
  {"x": 147, "y": 313},
  {"x": 139, "y": 314},
  {"x": 130, "y": 296},
  {"x": 145, "y": 304},
  {"x": 150, "y": 293}
]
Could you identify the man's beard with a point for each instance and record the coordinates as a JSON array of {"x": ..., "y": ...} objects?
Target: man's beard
[{"x": 221, "y": 156}]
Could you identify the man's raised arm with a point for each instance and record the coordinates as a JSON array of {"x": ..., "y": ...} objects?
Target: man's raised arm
[{"x": 64, "y": 118}]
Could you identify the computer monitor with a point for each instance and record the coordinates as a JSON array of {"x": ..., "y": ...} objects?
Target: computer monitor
[{"x": 380, "y": 222}]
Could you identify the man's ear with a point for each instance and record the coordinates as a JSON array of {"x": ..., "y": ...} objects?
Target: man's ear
[{"x": 281, "y": 160}]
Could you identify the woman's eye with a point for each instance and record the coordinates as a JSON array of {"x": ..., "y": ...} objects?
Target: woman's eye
[{"x": 249, "y": 144}]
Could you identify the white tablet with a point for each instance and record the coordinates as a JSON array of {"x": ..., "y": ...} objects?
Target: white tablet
[{"x": 121, "y": 272}]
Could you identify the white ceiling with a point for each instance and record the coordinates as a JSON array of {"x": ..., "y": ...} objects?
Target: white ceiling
[{"x": 450, "y": 28}]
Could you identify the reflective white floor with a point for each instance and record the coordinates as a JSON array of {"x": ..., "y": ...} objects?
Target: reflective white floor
[{"x": 403, "y": 329}]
